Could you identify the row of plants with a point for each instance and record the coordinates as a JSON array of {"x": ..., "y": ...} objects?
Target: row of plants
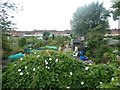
[
  {"x": 14, "y": 44},
  {"x": 34, "y": 42},
  {"x": 53, "y": 69}
]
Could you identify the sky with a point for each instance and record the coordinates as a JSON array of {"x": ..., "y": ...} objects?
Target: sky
[{"x": 51, "y": 14}]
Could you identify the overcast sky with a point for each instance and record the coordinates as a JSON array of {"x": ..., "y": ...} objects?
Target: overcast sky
[{"x": 51, "y": 14}]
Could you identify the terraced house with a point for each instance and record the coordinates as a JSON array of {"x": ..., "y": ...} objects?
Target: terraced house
[
  {"x": 114, "y": 32},
  {"x": 39, "y": 33}
]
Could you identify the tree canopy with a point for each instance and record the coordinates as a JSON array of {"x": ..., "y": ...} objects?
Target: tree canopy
[
  {"x": 6, "y": 24},
  {"x": 116, "y": 6},
  {"x": 46, "y": 35},
  {"x": 89, "y": 16},
  {"x": 5, "y": 15}
]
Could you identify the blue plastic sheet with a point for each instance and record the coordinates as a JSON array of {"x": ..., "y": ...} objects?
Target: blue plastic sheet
[{"x": 16, "y": 56}]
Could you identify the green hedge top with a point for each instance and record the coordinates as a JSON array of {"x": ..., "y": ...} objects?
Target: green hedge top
[{"x": 52, "y": 69}]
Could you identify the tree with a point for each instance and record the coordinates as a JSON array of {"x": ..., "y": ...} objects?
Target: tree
[
  {"x": 96, "y": 32},
  {"x": 116, "y": 6},
  {"x": 88, "y": 17},
  {"x": 6, "y": 8},
  {"x": 5, "y": 24},
  {"x": 53, "y": 36},
  {"x": 46, "y": 35}
]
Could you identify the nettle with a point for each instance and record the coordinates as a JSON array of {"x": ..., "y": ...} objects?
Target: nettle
[{"x": 53, "y": 69}]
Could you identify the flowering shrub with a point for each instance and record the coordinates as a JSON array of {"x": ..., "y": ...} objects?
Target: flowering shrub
[{"x": 52, "y": 69}]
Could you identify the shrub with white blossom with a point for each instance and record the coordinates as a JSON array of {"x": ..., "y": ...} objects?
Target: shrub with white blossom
[{"x": 53, "y": 69}]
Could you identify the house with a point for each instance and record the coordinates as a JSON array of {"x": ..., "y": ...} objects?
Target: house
[
  {"x": 114, "y": 32},
  {"x": 39, "y": 33}
]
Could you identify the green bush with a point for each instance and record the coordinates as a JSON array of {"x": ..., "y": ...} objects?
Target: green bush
[
  {"x": 22, "y": 42},
  {"x": 6, "y": 49},
  {"x": 52, "y": 69}
]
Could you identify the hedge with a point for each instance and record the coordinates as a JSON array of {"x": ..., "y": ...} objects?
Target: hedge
[{"x": 53, "y": 69}]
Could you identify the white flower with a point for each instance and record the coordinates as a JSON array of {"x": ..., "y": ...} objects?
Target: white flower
[
  {"x": 86, "y": 68},
  {"x": 50, "y": 58},
  {"x": 33, "y": 69},
  {"x": 100, "y": 82},
  {"x": 19, "y": 70},
  {"x": 68, "y": 87},
  {"x": 8, "y": 37},
  {"x": 118, "y": 57},
  {"x": 112, "y": 78},
  {"x": 48, "y": 67},
  {"x": 30, "y": 48},
  {"x": 21, "y": 73},
  {"x": 56, "y": 60},
  {"x": 46, "y": 62},
  {"x": 38, "y": 55},
  {"x": 115, "y": 51},
  {"x": 27, "y": 73},
  {"x": 34, "y": 52},
  {"x": 82, "y": 83},
  {"x": 25, "y": 67},
  {"x": 90, "y": 64},
  {"x": 71, "y": 73},
  {"x": 21, "y": 58}
]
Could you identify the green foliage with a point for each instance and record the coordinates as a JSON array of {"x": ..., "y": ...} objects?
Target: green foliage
[
  {"x": 116, "y": 37},
  {"x": 116, "y": 12},
  {"x": 53, "y": 36},
  {"x": 6, "y": 25},
  {"x": 61, "y": 39},
  {"x": 1, "y": 77},
  {"x": 97, "y": 47},
  {"x": 88, "y": 17},
  {"x": 100, "y": 52},
  {"x": 115, "y": 80},
  {"x": 96, "y": 32},
  {"x": 6, "y": 8},
  {"x": 50, "y": 69},
  {"x": 6, "y": 49},
  {"x": 38, "y": 44},
  {"x": 46, "y": 35},
  {"x": 14, "y": 44},
  {"x": 22, "y": 42}
]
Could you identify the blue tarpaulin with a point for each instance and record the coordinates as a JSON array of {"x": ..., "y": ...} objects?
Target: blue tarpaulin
[{"x": 16, "y": 56}]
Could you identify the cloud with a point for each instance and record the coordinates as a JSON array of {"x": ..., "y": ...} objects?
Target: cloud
[{"x": 49, "y": 14}]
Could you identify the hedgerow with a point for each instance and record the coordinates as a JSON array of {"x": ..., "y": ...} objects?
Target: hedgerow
[{"x": 53, "y": 69}]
